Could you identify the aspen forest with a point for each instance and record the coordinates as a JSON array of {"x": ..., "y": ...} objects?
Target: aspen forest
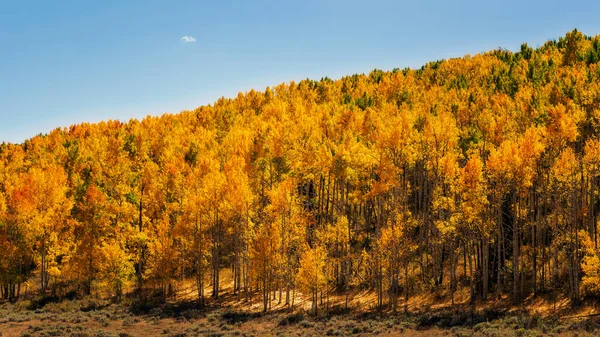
[{"x": 479, "y": 173}]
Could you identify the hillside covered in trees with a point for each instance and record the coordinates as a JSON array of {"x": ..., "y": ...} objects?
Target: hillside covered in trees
[{"x": 481, "y": 172}]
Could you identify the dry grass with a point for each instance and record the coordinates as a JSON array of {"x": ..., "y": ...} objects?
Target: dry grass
[
  {"x": 69, "y": 319},
  {"x": 429, "y": 315}
]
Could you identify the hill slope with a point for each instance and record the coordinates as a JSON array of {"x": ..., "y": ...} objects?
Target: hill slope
[{"x": 480, "y": 172}]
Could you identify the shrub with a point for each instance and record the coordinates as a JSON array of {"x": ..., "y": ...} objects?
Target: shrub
[
  {"x": 291, "y": 319},
  {"x": 232, "y": 317}
]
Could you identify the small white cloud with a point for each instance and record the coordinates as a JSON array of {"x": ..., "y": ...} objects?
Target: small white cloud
[{"x": 188, "y": 39}]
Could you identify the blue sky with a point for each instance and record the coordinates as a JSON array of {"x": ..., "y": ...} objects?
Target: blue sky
[{"x": 66, "y": 62}]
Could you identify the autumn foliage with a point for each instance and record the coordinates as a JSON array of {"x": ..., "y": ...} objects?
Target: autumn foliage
[{"x": 479, "y": 172}]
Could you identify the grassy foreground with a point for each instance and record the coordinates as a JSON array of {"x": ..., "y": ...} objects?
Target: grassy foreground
[
  {"x": 231, "y": 315},
  {"x": 93, "y": 317}
]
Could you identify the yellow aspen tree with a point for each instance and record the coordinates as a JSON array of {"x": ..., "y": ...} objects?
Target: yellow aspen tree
[{"x": 311, "y": 275}]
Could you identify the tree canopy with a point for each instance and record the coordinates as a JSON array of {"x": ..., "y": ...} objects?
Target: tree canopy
[{"x": 482, "y": 171}]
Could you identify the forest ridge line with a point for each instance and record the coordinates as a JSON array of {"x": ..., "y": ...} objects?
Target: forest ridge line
[{"x": 480, "y": 172}]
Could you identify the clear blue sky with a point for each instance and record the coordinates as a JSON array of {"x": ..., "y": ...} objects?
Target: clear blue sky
[{"x": 65, "y": 62}]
